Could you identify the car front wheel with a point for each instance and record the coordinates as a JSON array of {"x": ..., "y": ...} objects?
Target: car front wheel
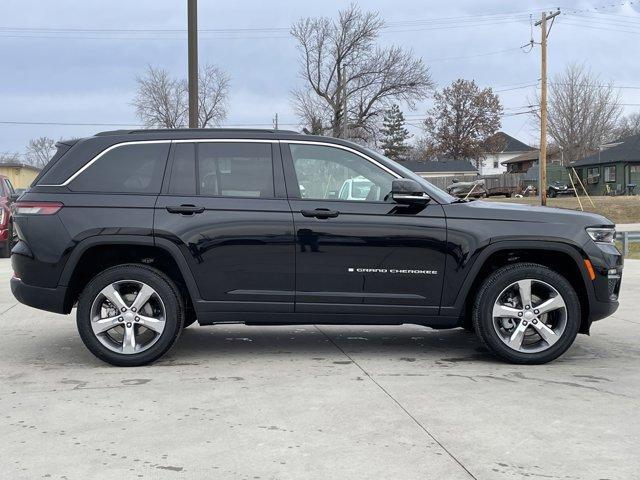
[
  {"x": 130, "y": 315},
  {"x": 527, "y": 313}
]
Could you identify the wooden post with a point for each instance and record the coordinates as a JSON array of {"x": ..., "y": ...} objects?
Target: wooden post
[
  {"x": 192, "y": 29},
  {"x": 345, "y": 114},
  {"x": 542, "y": 183},
  {"x": 543, "y": 112}
]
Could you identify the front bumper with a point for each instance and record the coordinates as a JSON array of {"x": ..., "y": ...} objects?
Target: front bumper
[{"x": 49, "y": 299}]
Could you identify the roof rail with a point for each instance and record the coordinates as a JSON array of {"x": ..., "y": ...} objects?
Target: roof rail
[{"x": 193, "y": 130}]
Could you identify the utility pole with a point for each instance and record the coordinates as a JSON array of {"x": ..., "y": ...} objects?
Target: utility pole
[
  {"x": 275, "y": 122},
  {"x": 192, "y": 20},
  {"x": 345, "y": 116},
  {"x": 543, "y": 104}
]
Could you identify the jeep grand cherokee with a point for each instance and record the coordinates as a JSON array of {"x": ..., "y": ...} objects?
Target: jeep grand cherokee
[{"x": 148, "y": 231}]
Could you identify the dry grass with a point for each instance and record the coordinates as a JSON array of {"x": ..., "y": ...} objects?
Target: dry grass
[
  {"x": 634, "y": 249},
  {"x": 617, "y": 209}
]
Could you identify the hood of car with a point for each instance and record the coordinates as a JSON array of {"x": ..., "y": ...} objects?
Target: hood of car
[{"x": 527, "y": 213}]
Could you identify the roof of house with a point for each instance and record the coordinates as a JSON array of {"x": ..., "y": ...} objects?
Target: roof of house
[
  {"x": 628, "y": 150},
  {"x": 19, "y": 165},
  {"x": 440, "y": 166},
  {"x": 531, "y": 155},
  {"x": 510, "y": 144}
]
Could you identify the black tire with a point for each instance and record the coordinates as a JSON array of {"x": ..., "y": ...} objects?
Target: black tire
[
  {"x": 552, "y": 193},
  {"x": 5, "y": 248},
  {"x": 482, "y": 315},
  {"x": 166, "y": 290}
]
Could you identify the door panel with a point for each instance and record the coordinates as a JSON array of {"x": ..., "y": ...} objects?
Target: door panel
[
  {"x": 370, "y": 258},
  {"x": 240, "y": 249},
  {"x": 364, "y": 254}
]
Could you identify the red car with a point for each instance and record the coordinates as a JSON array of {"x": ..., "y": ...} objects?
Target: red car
[{"x": 8, "y": 195}]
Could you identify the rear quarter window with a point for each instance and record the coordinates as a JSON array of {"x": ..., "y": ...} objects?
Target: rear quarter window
[{"x": 136, "y": 168}]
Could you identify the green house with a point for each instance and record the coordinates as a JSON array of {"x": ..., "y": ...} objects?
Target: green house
[{"x": 613, "y": 169}]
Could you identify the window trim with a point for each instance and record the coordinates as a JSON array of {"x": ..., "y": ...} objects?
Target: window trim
[
  {"x": 222, "y": 140},
  {"x": 335, "y": 145}
]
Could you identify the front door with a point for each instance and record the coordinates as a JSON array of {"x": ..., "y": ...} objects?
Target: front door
[
  {"x": 223, "y": 204},
  {"x": 357, "y": 251}
]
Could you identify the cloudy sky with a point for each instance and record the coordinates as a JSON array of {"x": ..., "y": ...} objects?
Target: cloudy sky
[{"x": 75, "y": 62}]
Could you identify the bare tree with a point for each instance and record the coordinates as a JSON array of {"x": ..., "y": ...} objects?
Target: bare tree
[
  {"x": 583, "y": 112},
  {"x": 463, "y": 121},
  {"x": 213, "y": 89},
  {"x": 10, "y": 157},
  {"x": 39, "y": 151},
  {"x": 628, "y": 125},
  {"x": 163, "y": 102},
  {"x": 339, "y": 58}
]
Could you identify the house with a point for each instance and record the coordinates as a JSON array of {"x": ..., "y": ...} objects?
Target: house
[
  {"x": 612, "y": 169},
  {"x": 441, "y": 168},
  {"x": 20, "y": 175},
  {"x": 507, "y": 148},
  {"x": 523, "y": 162}
]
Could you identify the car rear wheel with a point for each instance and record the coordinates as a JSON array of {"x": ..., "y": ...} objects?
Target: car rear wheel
[
  {"x": 527, "y": 313},
  {"x": 130, "y": 315}
]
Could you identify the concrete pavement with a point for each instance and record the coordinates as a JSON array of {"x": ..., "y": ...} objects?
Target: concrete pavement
[{"x": 318, "y": 402}]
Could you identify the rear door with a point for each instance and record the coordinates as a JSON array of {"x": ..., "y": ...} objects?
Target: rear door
[
  {"x": 224, "y": 205},
  {"x": 357, "y": 251}
]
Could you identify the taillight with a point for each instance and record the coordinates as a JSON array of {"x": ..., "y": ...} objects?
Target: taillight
[{"x": 36, "y": 208}]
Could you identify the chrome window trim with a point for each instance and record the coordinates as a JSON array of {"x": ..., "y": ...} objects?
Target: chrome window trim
[
  {"x": 224, "y": 140},
  {"x": 99, "y": 155},
  {"x": 335, "y": 145},
  {"x": 220, "y": 140}
]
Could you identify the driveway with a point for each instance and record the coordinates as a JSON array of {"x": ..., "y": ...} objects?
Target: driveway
[{"x": 318, "y": 402}]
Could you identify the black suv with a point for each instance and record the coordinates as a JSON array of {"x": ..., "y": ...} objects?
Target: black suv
[{"x": 148, "y": 231}]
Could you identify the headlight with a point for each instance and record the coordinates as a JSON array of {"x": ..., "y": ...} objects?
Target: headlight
[{"x": 602, "y": 235}]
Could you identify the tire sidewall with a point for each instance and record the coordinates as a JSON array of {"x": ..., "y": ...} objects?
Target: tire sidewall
[
  {"x": 167, "y": 291},
  {"x": 501, "y": 279}
]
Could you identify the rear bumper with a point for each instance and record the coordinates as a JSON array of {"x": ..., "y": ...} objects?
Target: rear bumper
[{"x": 49, "y": 299}]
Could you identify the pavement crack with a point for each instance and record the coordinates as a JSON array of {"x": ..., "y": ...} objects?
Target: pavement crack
[
  {"x": 397, "y": 402},
  {"x": 7, "y": 309}
]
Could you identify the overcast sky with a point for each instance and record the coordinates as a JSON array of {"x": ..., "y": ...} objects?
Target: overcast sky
[{"x": 82, "y": 74}]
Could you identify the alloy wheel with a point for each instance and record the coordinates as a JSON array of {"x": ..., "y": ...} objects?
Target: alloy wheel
[
  {"x": 529, "y": 316},
  {"x": 128, "y": 316}
]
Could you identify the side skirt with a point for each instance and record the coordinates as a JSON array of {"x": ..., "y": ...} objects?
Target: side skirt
[{"x": 290, "y": 318}]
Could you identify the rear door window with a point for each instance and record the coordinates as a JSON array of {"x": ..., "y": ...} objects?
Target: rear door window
[
  {"x": 235, "y": 169},
  {"x": 134, "y": 168}
]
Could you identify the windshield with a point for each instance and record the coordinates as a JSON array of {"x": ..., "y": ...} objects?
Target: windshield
[{"x": 441, "y": 195}]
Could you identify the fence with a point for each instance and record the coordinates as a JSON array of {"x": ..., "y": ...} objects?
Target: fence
[
  {"x": 443, "y": 182},
  {"x": 491, "y": 181}
]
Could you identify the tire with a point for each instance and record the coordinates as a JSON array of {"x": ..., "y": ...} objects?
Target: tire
[
  {"x": 7, "y": 245},
  {"x": 560, "y": 324},
  {"x": 163, "y": 313},
  {"x": 5, "y": 249},
  {"x": 552, "y": 193}
]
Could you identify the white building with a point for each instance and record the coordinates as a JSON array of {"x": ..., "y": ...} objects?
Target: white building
[{"x": 509, "y": 148}]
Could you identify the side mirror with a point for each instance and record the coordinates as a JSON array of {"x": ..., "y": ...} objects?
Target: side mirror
[{"x": 408, "y": 192}]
